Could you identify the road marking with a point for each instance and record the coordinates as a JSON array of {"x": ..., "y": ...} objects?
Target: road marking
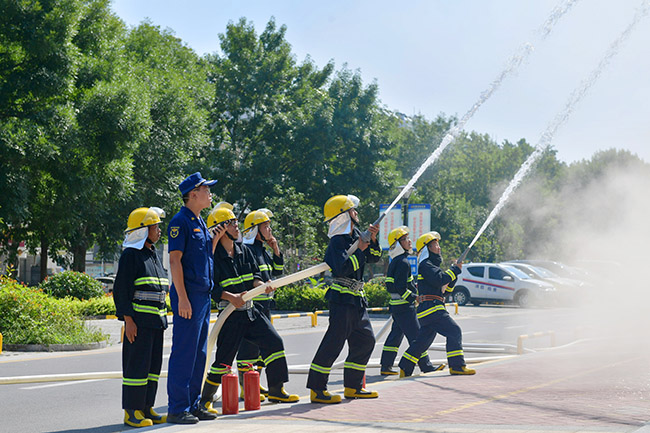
[
  {"x": 515, "y": 327},
  {"x": 52, "y": 385}
]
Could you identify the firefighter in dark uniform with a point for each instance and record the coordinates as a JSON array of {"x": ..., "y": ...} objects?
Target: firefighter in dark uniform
[
  {"x": 348, "y": 317},
  {"x": 257, "y": 232},
  {"x": 433, "y": 284},
  {"x": 139, "y": 294},
  {"x": 190, "y": 263},
  {"x": 235, "y": 273},
  {"x": 403, "y": 293}
]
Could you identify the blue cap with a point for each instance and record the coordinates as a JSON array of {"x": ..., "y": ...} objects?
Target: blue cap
[{"x": 194, "y": 181}]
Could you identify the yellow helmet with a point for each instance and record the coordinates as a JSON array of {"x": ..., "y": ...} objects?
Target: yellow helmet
[
  {"x": 144, "y": 217},
  {"x": 220, "y": 213},
  {"x": 396, "y": 234},
  {"x": 338, "y": 204},
  {"x": 256, "y": 218},
  {"x": 425, "y": 239}
]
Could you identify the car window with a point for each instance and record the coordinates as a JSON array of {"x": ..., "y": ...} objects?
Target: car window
[
  {"x": 516, "y": 272},
  {"x": 477, "y": 271},
  {"x": 545, "y": 273},
  {"x": 497, "y": 273}
]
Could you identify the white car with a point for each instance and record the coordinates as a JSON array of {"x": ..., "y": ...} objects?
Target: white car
[
  {"x": 569, "y": 289},
  {"x": 491, "y": 282}
]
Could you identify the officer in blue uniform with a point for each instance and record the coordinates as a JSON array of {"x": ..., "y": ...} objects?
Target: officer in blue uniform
[
  {"x": 403, "y": 293},
  {"x": 139, "y": 293},
  {"x": 348, "y": 319},
  {"x": 190, "y": 262},
  {"x": 433, "y": 284}
]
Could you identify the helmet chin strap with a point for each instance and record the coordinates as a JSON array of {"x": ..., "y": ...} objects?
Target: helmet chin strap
[
  {"x": 230, "y": 237},
  {"x": 355, "y": 220}
]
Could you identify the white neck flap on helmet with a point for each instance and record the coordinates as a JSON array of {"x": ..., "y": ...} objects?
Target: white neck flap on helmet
[
  {"x": 136, "y": 238},
  {"x": 341, "y": 225}
]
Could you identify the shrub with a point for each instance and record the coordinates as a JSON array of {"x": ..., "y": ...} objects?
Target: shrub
[
  {"x": 29, "y": 316},
  {"x": 75, "y": 284},
  {"x": 103, "y": 306},
  {"x": 300, "y": 298},
  {"x": 377, "y": 295}
]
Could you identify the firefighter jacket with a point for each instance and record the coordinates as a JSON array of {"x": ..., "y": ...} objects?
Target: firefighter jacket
[
  {"x": 269, "y": 267},
  {"x": 347, "y": 270},
  {"x": 431, "y": 280},
  {"x": 400, "y": 284},
  {"x": 140, "y": 288},
  {"x": 233, "y": 274}
]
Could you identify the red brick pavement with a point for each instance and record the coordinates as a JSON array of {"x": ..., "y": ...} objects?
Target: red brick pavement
[{"x": 583, "y": 385}]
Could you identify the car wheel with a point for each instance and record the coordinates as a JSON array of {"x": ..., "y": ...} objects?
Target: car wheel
[
  {"x": 476, "y": 303},
  {"x": 461, "y": 296},
  {"x": 524, "y": 299}
]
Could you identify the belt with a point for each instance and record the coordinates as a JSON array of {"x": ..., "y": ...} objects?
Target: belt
[
  {"x": 247, "y": 306},
  {"x": 350, "y": 283},
  {"x": 425, "y": 298},
  {"x": 143, "y": 295}
]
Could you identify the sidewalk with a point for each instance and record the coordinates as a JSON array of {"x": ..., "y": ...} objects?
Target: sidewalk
[{"x": 566, "y": 389}]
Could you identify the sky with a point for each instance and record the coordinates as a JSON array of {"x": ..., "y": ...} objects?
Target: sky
[{"x": 434, "y": 57}]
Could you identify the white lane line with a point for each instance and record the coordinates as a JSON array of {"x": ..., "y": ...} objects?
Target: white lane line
[
  {"x": 469, "y": 332},
  {"x": 52, "y": 385}
]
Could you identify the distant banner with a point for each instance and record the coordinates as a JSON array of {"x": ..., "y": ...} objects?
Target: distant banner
[
  {"x": 393, "y": 220},
  {"x": 419, "y": 220}
]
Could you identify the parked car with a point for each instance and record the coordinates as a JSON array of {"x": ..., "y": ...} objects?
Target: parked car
[
  {"x": 568, "y": 289},
  {"x": 492, "y": 282},
  {"x": 107, "y": 282}
]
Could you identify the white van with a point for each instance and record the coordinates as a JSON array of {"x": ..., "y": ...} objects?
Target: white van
[{"x": 491, "y": 282}]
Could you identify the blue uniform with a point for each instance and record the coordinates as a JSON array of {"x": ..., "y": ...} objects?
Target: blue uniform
[{"x": 189, "y": 235}]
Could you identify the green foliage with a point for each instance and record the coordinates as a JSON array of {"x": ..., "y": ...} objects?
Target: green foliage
[
  {"x": 300, "y": 298},
  {"x": 72, "y": 284},
  {"x": 29, "y": 316},
  {"x": 376, "y": 294},
  {"x": 99, "y": 306}
]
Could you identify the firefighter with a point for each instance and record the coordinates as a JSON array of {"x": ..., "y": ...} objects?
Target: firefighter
[
  {"x": 433, "y": 284},
  {"x": 403, "y": 293},
  {"x": 139, "y": 294},
  {"x": 236, "y": 272},
  {"x": 348, "y": 317},
  {"x": 257, "y": 232}
]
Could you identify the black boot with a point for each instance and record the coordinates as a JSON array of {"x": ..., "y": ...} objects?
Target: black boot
[{"x": 205, "y": 411}]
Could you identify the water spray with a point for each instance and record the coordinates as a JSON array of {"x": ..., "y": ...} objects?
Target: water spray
[{"x": 561, "y": 118}]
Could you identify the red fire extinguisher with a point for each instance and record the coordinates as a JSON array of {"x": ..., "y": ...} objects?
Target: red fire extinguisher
[
  {"x": 251, "y": 389},
  {"x": 229, "y": 392}
]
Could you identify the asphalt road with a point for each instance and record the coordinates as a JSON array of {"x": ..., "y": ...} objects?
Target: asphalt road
[{"x": 94, "y": 405}]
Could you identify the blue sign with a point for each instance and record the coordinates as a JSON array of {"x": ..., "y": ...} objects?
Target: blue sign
[{"x": 413, "y": 261}]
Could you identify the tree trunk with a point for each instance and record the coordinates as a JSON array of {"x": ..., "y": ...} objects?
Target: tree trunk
[
  {"x": 79, "y": 258},
  {"x": 44, "y": 247}
]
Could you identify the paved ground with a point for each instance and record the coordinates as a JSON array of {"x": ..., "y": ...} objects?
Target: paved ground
[{"x": 565, "y": 389}]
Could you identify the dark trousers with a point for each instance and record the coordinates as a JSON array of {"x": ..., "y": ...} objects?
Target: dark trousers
[
  {"x": 249, "y": 353},
  {"x": 189, "y": 353},
  {"x": 442, "y": 323},
  {"x": 349, "y": 323},
  {"x": 406, "y": 323},
  {"x": 141, "y": 362},
  {"x": 258, "y": 331}
]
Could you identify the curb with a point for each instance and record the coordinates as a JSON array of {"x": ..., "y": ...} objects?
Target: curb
[{"x": 53, "y": 347}]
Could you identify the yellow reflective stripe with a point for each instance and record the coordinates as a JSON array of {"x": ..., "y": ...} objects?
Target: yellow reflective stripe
[
  {"x": 274, "y": 357},
  {"x": 354, "y": 366},
  {"x": 451, "y": 274},
  {"x": 390, "y": 279},
  {"x": 231, "y": 281},
  {"x": 406, "y": 294},
  {"x": 262, "y": 297},
  {"x": 420, "y": 277},
  {"x": 139, "y": 308},
  {"x": 265, "y": 268},
  {"x": 410, "y": 357},
  {"x": 454, "y": 353},
  {"x": 278, "y": 267},
  {"x": 134, "y": 382},
  {"x": 409, "y": 279},
  {"x": 449, "y": 289},
  {"x": 424, "y": 354},
  {"x": 397, "y": 302},
  {"x": 390, "y": 349},
  {"x": 355, "y": 263},
  {"x": 375, "y": 252},
  {"x": 151, "y": 280},
  {"x": 153, "y": 377},
  {"x": 431, "y": 311},
  {"x": 319, "y": 369},
  {"x": 345, "y": 291},
  {"x": 217, "y": 370}
]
